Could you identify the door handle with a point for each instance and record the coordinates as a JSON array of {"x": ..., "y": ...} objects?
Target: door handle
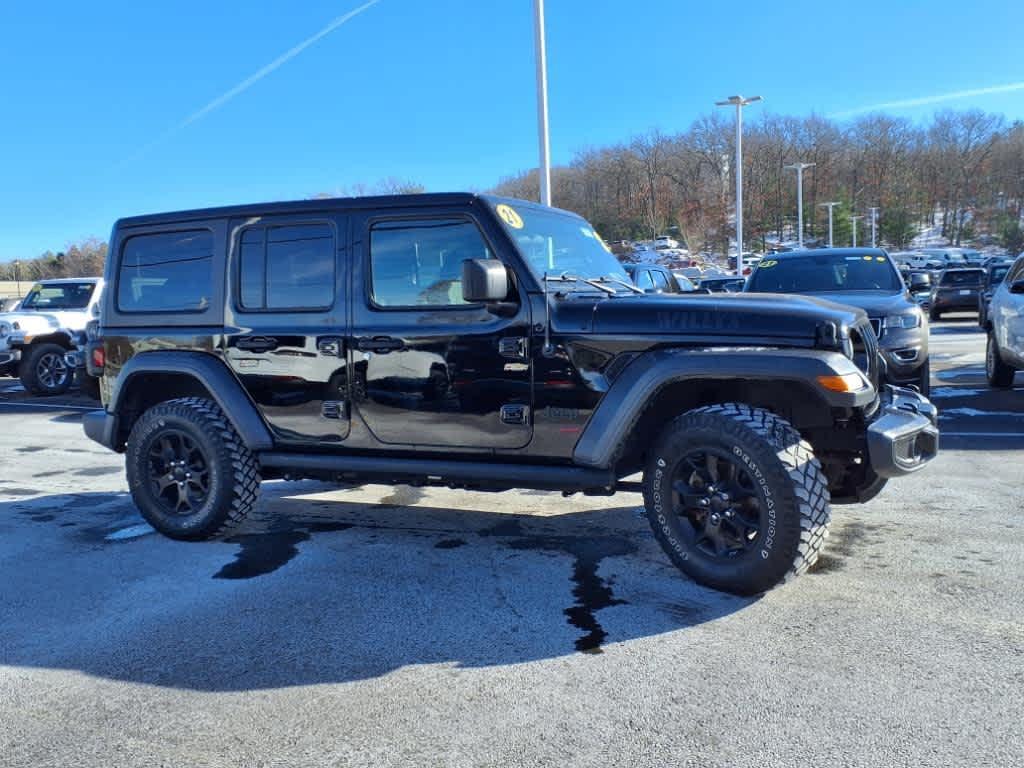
[
  {"x": 256, "y": 343},
  {"x": 380, "y": 344}
]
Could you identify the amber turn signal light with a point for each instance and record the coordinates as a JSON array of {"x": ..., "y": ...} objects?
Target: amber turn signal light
[{"x": 849, "y": 382}]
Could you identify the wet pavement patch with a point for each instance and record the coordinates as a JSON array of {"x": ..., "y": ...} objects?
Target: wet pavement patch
[
  {"x": 450, "y": 544},
  {"x": 840, "y": 545},
  {"x": 592, "y": 593},
  {"x": 31, "y": 448},
  {"x": 263, "y": 553},
  {"x": 98, "y": 471},
  {"x": 19, "y": 491},
  {"x": 51, "y": 473}
]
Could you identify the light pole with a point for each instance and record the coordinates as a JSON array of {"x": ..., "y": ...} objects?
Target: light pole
[
  {"x": 542, "y": 102},
  {"x": 799, "y": 168},
  {"x": 739, "y": 102},
  {"x": 874, "y": 227},
  {"x": 853, "y": 223},
  {"x": 830, "y": 206}
]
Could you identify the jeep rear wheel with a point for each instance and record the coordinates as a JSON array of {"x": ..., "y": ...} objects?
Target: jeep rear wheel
[
  {"x": 189, "y": 472},
  {"x": 44, "y": 372},
  {"x": 736, "y": 498}
]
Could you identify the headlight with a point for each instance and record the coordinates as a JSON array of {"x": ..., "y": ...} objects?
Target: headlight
[{"x": 907, "y": 320}]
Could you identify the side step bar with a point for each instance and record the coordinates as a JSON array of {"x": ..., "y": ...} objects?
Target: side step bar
[{"x": 443, "y": 472}]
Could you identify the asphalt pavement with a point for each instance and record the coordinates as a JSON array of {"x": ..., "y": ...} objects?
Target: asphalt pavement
[{"x": 397, "y": 626}]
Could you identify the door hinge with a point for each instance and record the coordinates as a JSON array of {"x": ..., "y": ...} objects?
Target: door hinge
[
  {"x": 514, "y": 413},
  {"x": 513, "y": 347}
]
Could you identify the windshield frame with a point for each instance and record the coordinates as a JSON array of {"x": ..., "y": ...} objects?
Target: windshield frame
[{"x": 526, "y": 215}]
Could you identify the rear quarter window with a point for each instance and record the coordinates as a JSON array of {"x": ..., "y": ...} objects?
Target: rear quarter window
[{"x": 166, "y": 272}]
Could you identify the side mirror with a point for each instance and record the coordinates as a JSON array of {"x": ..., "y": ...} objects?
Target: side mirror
[
  {"x": 1017, "y": 286},
  {"x": 95, "y": 311},
  {"x": 484, "y": 281}
]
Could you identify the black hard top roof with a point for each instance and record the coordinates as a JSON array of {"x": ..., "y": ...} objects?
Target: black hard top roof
[{"x": 325, "y": 204}]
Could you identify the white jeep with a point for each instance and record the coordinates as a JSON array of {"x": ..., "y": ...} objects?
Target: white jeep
[{"x": 35, "y": 338}]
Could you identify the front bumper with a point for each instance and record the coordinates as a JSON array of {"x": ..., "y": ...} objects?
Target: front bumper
[{"x": 905, "y": 435}]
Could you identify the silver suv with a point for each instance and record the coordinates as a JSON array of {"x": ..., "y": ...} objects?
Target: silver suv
[{"x": 1004, "y": 355}]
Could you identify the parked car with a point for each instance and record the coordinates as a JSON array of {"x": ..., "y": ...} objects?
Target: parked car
[
  {"x": 469, "y": 341},
  {"x": 919, "y": 283},
  {"x": 35, "y": 339},
  {"x": 1004, "y": 353},
  {"x": 864, "y": 278},
  {"x": 995, "y": 272},
  {"x": 663, "y": 242},
  {"x": 654, "y": 278},
  {"x": 9, "y": 304},
  {"x": 957, "y": 290},
  {"x": 730, "y": 284}
]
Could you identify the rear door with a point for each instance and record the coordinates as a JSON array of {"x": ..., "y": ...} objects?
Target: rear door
[
  {"x": 287, "y": 322},
  {"x": 429, "y": 368}
]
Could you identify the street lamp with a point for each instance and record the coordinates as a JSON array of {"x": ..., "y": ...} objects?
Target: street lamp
[
  {"x": 853, "y": 223},
  {"x": 544, "y": 171},
  {"x": 739, "y": 102},
  {"x": 799, "y": 168},
  {"x": 830, "y": 206},
  {"x": 874, "y": 226}
]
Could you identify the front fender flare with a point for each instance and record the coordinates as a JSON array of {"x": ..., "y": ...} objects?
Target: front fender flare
[{"x": 645, "y": 376}]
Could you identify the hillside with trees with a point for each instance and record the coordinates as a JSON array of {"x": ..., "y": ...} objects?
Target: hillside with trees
[{"x": 962, "y": 172}]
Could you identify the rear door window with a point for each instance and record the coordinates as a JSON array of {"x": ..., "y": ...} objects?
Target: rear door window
[
  {"x": 289, "y": 267},
  {"x": 166, "y": 272}
]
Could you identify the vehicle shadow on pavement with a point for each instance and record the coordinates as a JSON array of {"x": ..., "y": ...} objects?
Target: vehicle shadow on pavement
[{"x": 324, "y": 591}]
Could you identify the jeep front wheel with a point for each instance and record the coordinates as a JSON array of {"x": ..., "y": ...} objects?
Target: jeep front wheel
[
  {"x": 736, "y": 498},
  {"x": 190, "y": 474},
  {"x": 44, "y": 372}
]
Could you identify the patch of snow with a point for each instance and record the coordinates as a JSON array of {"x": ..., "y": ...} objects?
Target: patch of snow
[{"x": 131, "y": 532}]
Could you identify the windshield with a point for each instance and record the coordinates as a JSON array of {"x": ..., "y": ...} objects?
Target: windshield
[
  {"x": 824, "y": 272},
  {"x": 962, "y": 277},
  {"x": 44, "y": 297},
  {"x": 556, "y": 243}
]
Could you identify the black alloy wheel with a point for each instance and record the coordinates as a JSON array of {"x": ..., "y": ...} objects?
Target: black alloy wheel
[
  {"x": 179, "y": 472},
  {"x": 717, "y": 500}
]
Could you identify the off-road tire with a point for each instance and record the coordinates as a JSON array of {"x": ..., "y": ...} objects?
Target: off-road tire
[
  {"x": 794, "y": 496},
  {"x": 998, "y": 373},
  {"x": 234, "y": 476},
  {"x": 29, "y": 371}
]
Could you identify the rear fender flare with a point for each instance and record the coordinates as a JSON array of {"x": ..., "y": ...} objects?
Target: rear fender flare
[{"x": 217, "y": 379}]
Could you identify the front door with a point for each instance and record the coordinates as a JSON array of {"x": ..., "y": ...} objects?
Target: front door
[
  {"x": 287, "y": 321},
  {"x": 428, "y": 368}
]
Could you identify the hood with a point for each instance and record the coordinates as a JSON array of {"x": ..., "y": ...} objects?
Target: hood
[
  {"x": 36, "y": 322},
  {"x": 875, "y": 303},
  {"x": 745, "y": 317}
]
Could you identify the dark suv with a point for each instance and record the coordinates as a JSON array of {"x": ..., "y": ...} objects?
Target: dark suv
[
  {"x": 956, "y": 290},
  {"x": 475, "y": 342},
  {"x": 865, "y": 278}
]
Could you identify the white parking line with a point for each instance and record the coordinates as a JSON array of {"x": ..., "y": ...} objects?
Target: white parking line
[{"x": 52, "y": 407}]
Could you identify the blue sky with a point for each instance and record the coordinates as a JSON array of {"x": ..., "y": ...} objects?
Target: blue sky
[{"x": 436, "y": 91}]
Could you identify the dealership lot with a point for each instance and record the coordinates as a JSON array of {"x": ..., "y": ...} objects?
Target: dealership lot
[{"x": 388, "y": 626}]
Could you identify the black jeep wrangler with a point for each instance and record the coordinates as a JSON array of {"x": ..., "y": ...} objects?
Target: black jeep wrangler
[{"x": 473, "y": 342}]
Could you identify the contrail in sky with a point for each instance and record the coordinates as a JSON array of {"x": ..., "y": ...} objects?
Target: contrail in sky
[
  {"x": 254, "y": 78},
  {"x": 925, "y": 100}
]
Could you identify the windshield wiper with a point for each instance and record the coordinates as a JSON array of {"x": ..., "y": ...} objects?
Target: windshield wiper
[
  {"x": 565, "y": 277},
  {"x": 623, "y": 283}
]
